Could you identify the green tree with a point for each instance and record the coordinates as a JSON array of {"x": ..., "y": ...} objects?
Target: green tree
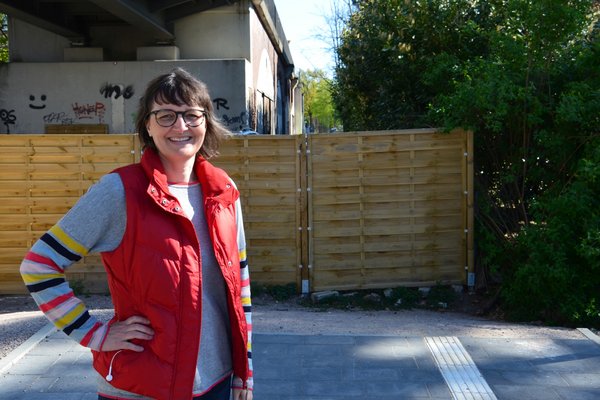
[
  {"x": 3, "y": 38},
  {"x": 318, "y": 103},
  {"x": 395, "y": 56},
  {"x": 522, "y": 74}
]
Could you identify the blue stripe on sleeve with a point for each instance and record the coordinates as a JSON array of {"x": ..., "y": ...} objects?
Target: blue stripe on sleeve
[{"x": 59, "y": 248}]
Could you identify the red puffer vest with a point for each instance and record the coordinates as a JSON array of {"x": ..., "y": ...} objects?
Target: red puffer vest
[{"x": 156, "y": 273}]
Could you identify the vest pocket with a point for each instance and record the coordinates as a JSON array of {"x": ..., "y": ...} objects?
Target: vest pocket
[{"x": 141, "y": 373}]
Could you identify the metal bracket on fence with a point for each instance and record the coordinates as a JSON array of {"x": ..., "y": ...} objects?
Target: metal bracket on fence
[
  {"x": 305, "y": 286},
  {"x": 471, "y": 279}
]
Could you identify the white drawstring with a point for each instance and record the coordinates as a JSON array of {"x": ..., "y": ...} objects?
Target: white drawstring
[{"x": 109, "y": 377}]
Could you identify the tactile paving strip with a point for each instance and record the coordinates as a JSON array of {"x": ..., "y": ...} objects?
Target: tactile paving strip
[{"x": 458, "y": 369}]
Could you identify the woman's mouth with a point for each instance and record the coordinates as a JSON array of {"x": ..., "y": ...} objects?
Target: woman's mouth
[{"x": 180, "y": 139}]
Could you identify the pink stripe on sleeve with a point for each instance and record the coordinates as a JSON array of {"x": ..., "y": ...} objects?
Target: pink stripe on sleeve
[
  {"x": 31, "y": 256},
  {"x": 56, "y": 302},
  {"x": 88, "y": 336}
]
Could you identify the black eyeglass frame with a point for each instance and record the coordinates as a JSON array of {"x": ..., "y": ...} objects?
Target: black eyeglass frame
[{"x": 177, "y": 114}]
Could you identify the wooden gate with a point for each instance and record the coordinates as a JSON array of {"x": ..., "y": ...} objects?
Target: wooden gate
[{"x": 389, "y": 209}]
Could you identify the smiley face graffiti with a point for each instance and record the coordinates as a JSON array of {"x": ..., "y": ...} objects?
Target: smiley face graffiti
[{"x": 37, "y": 106}]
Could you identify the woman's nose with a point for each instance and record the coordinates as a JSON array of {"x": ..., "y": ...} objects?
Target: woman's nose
[{"x": 180, "y": 123}]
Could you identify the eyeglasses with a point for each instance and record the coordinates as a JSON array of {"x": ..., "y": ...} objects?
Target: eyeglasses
[{"x": 167, "y": 118}]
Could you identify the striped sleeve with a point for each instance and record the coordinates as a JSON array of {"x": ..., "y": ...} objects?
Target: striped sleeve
[
  {"x": 43, "y": 271},
  {"x": 73, "y": 237},
  {"x": 245, "y": 288}
]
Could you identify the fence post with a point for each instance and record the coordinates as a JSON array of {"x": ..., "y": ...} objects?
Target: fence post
[
  {"x": 468, "y": 209},
  {"x": 305, "y": 213}
]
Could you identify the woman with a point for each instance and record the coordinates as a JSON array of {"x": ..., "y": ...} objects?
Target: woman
[{"x": 171, "y": 236}]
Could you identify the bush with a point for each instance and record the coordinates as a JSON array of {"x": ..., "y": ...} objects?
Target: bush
[
  {"x": 441, "y": 296},
  {"x": 277, "y": 292},
  {"x": 559, "y": 280}
]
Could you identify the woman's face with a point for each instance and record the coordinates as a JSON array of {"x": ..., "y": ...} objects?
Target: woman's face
[{"x": 177, "y": 131}]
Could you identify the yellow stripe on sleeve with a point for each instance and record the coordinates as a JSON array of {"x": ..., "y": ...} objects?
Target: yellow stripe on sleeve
[
  {"x": 35, "y": 278},
  {"x": 69, "y": 317},
  {"x": 71, "y": 244}
]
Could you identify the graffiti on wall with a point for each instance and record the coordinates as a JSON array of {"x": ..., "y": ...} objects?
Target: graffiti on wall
[
  {"x": 58, "y": 118},
  {"x": 236, "y": 122},
  {"x": 8, "y": 118},
  {"x": 114, "y": 91},
  {"x": 37, "y": 106},
  {"x": 117, "y": 93},
  {"x": 221, "y": 103},
  {"x": 89, "y": 111}
]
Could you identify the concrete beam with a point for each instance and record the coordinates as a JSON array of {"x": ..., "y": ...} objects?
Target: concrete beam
[
  {"x": 192, "y": 7},
  {"x": 161, "y": 5},
  {"x": 18, "y": 9},
  {"x": 138, "y": 15}
]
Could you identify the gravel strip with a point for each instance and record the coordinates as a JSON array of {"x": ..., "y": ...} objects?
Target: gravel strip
[
  {"x": 19, "y": 321},
  {"x": 20, "y": 318},
  {"x": 17, "y": 328},
  {"x": 405, "y": 323}
]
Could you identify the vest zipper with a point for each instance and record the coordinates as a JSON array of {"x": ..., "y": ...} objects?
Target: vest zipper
[{"x": 180, "y": 312}]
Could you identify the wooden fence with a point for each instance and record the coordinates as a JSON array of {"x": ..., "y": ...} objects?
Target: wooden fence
[
  {"x": 41, "y": 177},
  {"x": 335, "y": 211}
]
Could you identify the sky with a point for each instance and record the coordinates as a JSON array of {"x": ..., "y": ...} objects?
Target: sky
[{"x": 304, "y": 23}]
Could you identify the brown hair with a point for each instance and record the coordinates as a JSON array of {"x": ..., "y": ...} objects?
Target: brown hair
[{"x": 179, "y": 87}]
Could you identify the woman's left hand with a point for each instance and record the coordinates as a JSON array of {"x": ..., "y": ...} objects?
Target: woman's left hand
[{"x": 242, "y": 394}]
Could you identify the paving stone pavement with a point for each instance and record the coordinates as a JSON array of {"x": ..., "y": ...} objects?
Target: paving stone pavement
[{"x": 331, "y": 367}]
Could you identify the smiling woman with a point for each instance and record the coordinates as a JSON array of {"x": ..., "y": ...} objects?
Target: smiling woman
[{"x": 171, "y": 236}]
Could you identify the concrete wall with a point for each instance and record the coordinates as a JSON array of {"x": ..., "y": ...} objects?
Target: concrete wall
[
  {"x": 219, "y": 33},
  {"x": 28, "y": 43},
  {"x": 264, "y": 77},
  {"x": 35, "y": 94}
]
